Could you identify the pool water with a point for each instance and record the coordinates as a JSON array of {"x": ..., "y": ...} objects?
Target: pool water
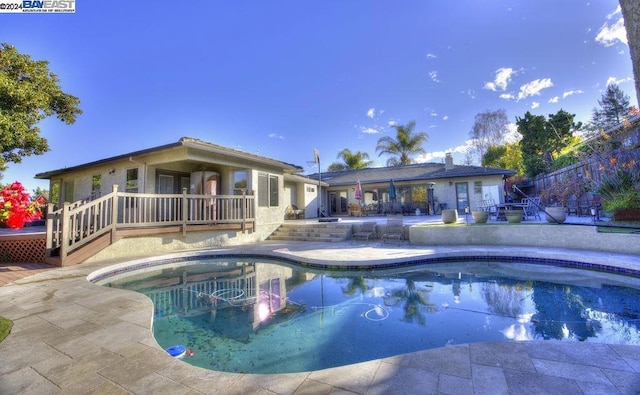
[{"x": 267, "y": 317}]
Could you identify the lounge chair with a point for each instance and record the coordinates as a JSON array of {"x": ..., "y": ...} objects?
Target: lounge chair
[
  {"x": 367, "y": 230},
  {"x": 394, "y": 228}
]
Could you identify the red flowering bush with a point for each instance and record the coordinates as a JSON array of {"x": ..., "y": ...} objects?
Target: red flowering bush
[{"x": 16, "y": 207}]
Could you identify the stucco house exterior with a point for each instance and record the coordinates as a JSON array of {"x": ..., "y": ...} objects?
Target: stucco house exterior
[
  {"x": 427, "y": 187},
  {"x": 194, "y": 194},
  {"x": 198, "y": 166}
]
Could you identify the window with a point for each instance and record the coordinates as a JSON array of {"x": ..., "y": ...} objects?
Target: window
[
  {"x": 477, "y": 187},
  {"x": 268, "y": 193},
  {"x": 240, "y": 180},
  {"x": 95, "y": 186},
  {"x": 132, "y": 180}
]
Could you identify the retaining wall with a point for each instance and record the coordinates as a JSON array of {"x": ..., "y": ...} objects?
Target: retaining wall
[{"x": 531, "y": 235}]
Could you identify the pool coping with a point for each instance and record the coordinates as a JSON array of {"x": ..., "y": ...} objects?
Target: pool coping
[{"x": 72, "y": 326}]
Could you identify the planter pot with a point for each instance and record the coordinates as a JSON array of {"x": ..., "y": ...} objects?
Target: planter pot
[
  {"x": 630, "y": 214},
  {"x": 514, "y": 216},
  {"x": 480, "y": 217},
  {"x": 559, "y": 215},
  {"x": 450, "y": 216}
]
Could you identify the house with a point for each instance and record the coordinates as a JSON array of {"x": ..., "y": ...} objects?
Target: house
[
  {"x": 170, "y": 188},
  {"x": 428, "y": 187},
  {"x": 197, "y": 166},
  {"x": 198, "y": 194}
]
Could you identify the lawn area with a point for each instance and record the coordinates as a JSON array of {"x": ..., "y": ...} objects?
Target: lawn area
[
  {"x": 630, "y": 227},
  {"x": 5, "y": 327}
]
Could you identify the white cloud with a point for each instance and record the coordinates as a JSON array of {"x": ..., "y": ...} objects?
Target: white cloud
[
  {"x": 610, "y": 34},
  {"x": 534, "y": 87},
  {"x": 433, "y": 114},
  {"x": 501, "y": 80},
  {"x": 392, "y": 123},
  {"x": 535, "y": 105},
  {"x": 276, "y": 136},
  {"x": 445, "y": 118},
  {"x": 512, "y": 135},
  {"x": 367, "y": 130},
  {"x": 617, "y": 81},
  {"x": 431, "y": 56},
  {"x": 507, "y": 96},
  {"x": 554, "y": 99},
  {"x": 371, "y": 113},
  {"x": 570, "y": 93},
  {"x": 434, "y": 156},
  {"x": 434, "y": 76}
]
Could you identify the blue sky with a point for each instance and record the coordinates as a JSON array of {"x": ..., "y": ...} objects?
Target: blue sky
[{"x": 281, "y": 78}]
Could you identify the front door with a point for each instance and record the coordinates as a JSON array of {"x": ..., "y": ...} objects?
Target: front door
[
  {"x": 172, "y": 182},
  {"x": 338, "y": 203},
  {"x": 462, "y": 196}
]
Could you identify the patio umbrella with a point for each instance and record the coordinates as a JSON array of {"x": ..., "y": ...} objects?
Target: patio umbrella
[
  {"x": 392, "y": 190},
  {"x": 358, "y": 190}
]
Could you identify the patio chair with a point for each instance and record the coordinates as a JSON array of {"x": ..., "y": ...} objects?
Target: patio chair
[
  {"x": 367, "y": 230},
  {"x": 531, "y": 209},
  {"x": 394, "y": 228}
]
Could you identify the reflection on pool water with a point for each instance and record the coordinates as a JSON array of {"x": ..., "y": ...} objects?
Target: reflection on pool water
[{"x": 261, "y": 316}]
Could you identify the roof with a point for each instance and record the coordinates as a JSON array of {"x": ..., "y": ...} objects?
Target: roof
[
  {"x": 186, "y": 142},
  {"x": 303, "y": 179},
  {"x": 416, "y": 172}
]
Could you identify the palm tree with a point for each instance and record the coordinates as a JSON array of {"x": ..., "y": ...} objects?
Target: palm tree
[
  {"x": 351, "y": 161},
  {"x": 404, "y": 146}
]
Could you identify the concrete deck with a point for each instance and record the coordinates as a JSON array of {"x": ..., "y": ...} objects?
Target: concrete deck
[{"x": 74, "y": 337}]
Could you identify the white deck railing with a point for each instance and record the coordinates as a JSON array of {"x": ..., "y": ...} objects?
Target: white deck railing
[{"x": 77, "y": 224}]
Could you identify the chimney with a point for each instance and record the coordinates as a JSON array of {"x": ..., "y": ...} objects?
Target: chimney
[{"x": 448, "y": 162}]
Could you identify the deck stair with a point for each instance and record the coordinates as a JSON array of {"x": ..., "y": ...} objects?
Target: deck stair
[{"x": 321, "y": 232}]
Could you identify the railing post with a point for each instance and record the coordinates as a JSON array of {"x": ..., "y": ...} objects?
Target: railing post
[
  {"x": 243, "y": 210},
  {"x": 64, "y": 232},
  {"x": 114, "y": 212},
  {"x": 185, "y": 211},
  {"x": 49, "y": 240}
]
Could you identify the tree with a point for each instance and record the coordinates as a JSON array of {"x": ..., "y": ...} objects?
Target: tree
[
  {"x": 404, "y": 146},
  {"x": 543, "y": 140},
  {"x": 352, "y": 161},
  {"x": 29, "y": 93},
  {"x": 631, "y": 14},
  {"x": 488, "y": 130},
  {"x": 507, "y": 156},
  {"x": 614, "y": 107}
]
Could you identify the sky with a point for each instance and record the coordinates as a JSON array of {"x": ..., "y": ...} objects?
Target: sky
[{"x": 280, "y": 78}]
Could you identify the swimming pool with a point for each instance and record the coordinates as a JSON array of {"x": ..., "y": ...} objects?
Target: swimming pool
[{"x": 258, "y": 315}]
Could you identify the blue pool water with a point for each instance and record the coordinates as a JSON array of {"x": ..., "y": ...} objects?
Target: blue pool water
[{"x": 261, "y": 316}]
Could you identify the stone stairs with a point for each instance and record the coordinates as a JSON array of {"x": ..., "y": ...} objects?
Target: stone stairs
[{"x": 322, "y": 232}]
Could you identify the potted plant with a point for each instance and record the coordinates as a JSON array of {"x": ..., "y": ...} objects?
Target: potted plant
[
  {"x": 450, "y": 216},
  {"x": 556, "y": 198},
  {"x": 514, "y": 216},
  {"x": 480, "y": 217}
]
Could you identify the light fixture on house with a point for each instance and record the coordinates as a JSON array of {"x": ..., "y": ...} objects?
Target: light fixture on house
[{"x": 111, "y": 171}]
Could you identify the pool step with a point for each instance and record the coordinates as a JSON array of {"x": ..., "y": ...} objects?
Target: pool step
[{"x": 323, "y": 232}]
